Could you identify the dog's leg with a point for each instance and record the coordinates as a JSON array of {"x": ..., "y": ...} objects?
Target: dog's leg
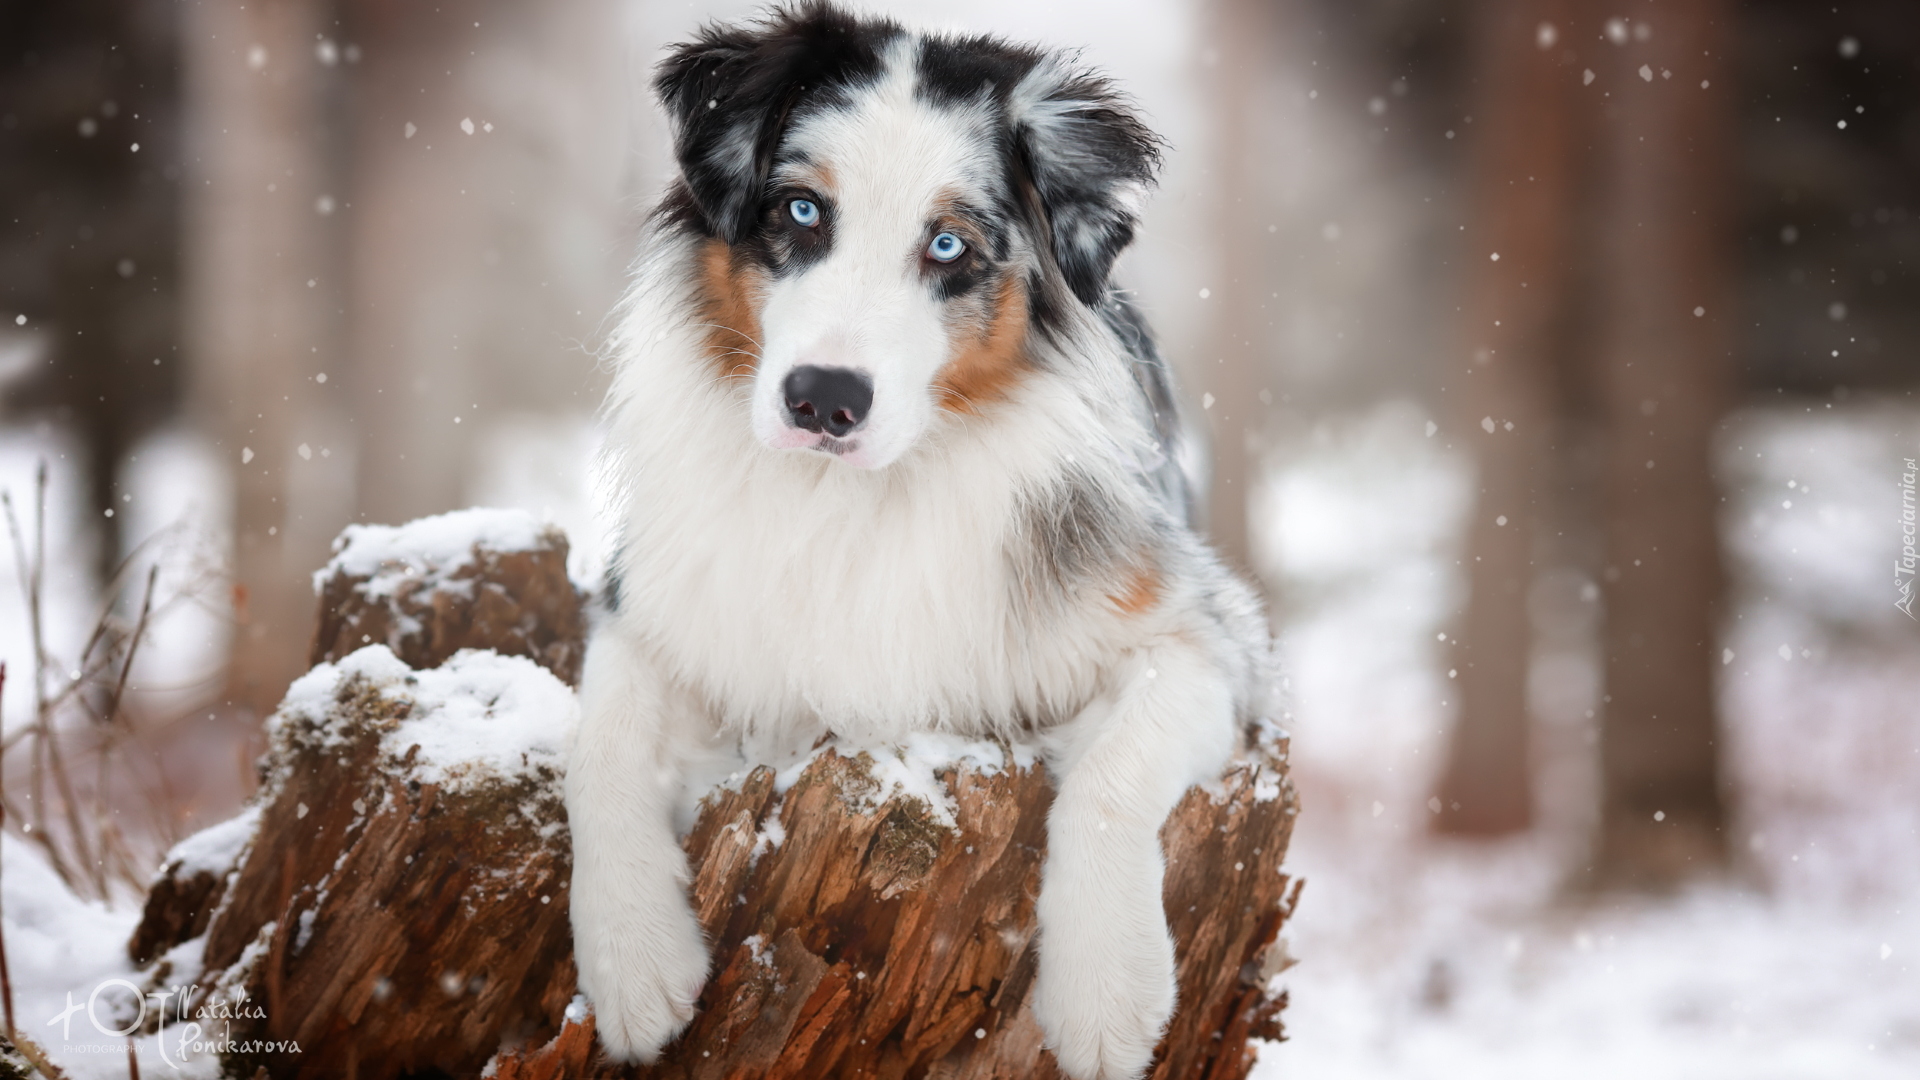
[
  {"x": 1106, "y": 982},
  {"x": 639, "y": 949}
]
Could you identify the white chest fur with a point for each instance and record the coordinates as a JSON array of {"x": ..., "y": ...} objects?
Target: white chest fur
[{"x": 788, "y": 588}]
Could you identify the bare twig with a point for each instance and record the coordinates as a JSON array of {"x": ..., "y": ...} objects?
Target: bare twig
[
  {"x": 110, "y": 596},
  {"x": 30, "y": 590},
  {"x": 37, "y": 1057},
  {"x": 133, "y": 646},
  {"x": 47, "y": 745},
  {"x": 112, "y": 847},
  {"x": 90, "y": 671},
  {"x": 38, "y": 584},
  {"x": 76, "y": 833},
  {"x": 86, "y": 846},
  {"x": 6, "y": 979}
]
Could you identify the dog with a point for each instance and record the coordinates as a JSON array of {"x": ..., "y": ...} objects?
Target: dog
[{"x": 890, "y": 453}]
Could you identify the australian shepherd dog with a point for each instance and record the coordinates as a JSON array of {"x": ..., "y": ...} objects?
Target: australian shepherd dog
[{"x": 890, "y": 454}]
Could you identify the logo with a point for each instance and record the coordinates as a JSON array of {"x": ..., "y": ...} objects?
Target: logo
[
  {"x": 1905, "y": 565},
  {"x": 205, "y": 1028}
]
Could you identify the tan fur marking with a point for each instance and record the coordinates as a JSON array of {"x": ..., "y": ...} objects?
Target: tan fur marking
[
  {"x": 946, "y": 205},
  {"x": 1141, "y": 593},
  {"x": 731, "y": 296},
  {"x": 987, "y": 367}
]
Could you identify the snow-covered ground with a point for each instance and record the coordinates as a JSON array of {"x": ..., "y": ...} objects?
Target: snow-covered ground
[
  {"x": 73, "y": 986},
  {"x": 1440, "y": 959}
]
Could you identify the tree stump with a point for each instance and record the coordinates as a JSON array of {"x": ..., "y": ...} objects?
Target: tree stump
[
  {"x": 472, "y": 579},
  {"x": 397, "y": 902}
]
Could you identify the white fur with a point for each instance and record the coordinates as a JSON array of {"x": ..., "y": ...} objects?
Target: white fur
[{"x": 772, "y": 594}]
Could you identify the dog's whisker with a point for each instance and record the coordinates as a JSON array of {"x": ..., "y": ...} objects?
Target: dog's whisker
[
  {"x": 741, "y": 334},
  {"x": 958, "y": 396},
  {"x": 739, "y": 371}
]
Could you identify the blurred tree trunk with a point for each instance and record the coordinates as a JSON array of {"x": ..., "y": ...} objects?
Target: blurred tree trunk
[
  {"x": 1518, "y": 252},
  {"x": 412, "y": 168},
  {"x": 1245, "y": 34},
  {"x": 88, "y": 246},
  {"x": 488, "y": 233},
  {"x": 1665, "y": 316},
  {"x": 257, "y": 314}
]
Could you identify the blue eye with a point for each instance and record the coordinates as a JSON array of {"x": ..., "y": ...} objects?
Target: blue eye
[
  {"x": 804, "y": 211},
  {"x": 945, "y": 248}
]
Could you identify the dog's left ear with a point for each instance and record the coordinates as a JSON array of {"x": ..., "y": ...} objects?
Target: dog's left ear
[
  {"x": 1092, "y": 160},
  {"x": 732, "y": 91}
]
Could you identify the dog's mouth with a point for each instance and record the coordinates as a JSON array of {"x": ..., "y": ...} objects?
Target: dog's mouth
[
  {"x": 852, "y": 450},
  {"x": 840, "y": 446}
]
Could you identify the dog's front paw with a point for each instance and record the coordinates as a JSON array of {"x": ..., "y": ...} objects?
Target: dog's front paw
[
  {"x": 643, "y": 976},
  {"x": 1103, "y": 995}
]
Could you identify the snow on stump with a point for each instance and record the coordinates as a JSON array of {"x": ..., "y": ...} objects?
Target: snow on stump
[
  {"x": 395, "y": 900},
  {"x": 472, "y": 579}
]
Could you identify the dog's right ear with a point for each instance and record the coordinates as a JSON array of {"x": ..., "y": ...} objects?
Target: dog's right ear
[{"x": 732, "y": 91}]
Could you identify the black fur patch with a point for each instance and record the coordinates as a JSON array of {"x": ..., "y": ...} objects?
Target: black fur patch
[
  {"x": 956, "y": 71},
  {"x": 949, "y": 284},
  {"x": 1077, "y": 141},
  {"x": 1045, "y": 302},
  {"x": 610, "y": 584},
  {"x": 733, "y": 91},
  {"x": 1076, "y": 534},
  {"x": 1085, "y": 149},
  {"x": 1156, "y": 387}
]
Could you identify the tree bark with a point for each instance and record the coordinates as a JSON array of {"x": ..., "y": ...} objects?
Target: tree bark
[
  {"x": 1664, "y": 373},
  {"x": 1518, "y": 253},
  {"x": 393, "y": 923},
  {"x": 517, "y": 603}
]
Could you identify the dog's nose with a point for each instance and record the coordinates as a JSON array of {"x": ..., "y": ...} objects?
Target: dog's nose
[{"x": 833, "y": 400}]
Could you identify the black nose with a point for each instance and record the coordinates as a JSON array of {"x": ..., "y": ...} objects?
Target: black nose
[{"x": 833, "y": 400}]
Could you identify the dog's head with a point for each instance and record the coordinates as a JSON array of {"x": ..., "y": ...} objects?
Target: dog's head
[{"x": 888, "y": 217}]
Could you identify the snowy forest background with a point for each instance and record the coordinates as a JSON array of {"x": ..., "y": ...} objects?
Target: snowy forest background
[{"x": 267, "y": 269}]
